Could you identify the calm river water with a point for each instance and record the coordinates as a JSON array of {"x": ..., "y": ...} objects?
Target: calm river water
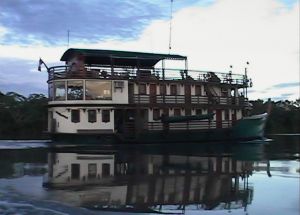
[{"x": 217, "y": 178}]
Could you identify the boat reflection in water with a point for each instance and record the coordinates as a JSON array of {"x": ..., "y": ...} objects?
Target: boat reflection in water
[{"x": 132, "y": 180}]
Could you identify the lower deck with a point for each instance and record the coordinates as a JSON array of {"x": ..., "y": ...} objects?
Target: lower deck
[{"x": 113, "y": 120}]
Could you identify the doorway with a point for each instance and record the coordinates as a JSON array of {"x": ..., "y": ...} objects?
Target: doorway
[
  {"x": 75, "y": 171},
  {"x": 152, "y": 93},
  {"x": 219, "y": 118},
  {"x": 187, "y": 93},
  {"x": 233, "y": 116}
]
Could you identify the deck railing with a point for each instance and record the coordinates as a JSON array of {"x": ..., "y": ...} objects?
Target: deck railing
[
  {"x": 189, "y": 125},
  {"x": 105, "y": 72},
  {"x": 180, "y": 99}
]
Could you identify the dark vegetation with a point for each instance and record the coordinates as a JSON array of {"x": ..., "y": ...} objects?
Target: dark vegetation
[
  {"x": 284, "y": 117},
  {"x": 26, "y": 117},
  {"x": 22, "y": 117}
]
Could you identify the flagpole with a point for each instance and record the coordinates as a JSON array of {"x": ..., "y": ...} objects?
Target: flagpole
[
  {"x": 46, "y": 66},
  {"x": 170, "y": 30}
]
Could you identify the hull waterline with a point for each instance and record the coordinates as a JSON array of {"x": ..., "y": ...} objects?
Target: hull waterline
[{"x": 248, "y": 128}]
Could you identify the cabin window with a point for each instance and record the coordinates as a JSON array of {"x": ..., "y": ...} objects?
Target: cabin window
[
  {"x": 177, "y": 112},
  {"x": 162, "y": 89},
  {"x": 50, "y": 91},
  {"x": 75, "y": 90},
  {"x": 166, "y": 111},
  {"x": 59, "y": 91},
  {"x": 233, "y": 93},
  {"x": 173, "y": 90},
  {"x": 198, "y": 111},
  {"x": 98, "y": 90},
  {"x": 209, "y": 111},
  {"x": 92, "y": 116},
  {"x": 156, "y": 114},
  {"x": 224, "y": 92},
  {"x": 105, "y": 116},
  {"x": 198, "y": 90},
  {"x": 92, "y": 170},
  {"x": 142, "y": 89},
  {"x": 75, "y": 116}
]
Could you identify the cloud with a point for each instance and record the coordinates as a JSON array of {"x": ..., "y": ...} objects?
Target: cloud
[
  {"x": 229, "y": 32},
  {"x": 286, "y": 85},
  {"x": 286, "y": 95},
  {"x": 287, "y": 91},
  {"x": 22, "y": 80},
  {"x": 32, "y": 53},
  {"x": 23, "y": 88},
  {"x": 282, "y": 97},
  {"x": 33, "y": 22}
]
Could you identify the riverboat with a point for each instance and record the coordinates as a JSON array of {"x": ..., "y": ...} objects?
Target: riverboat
[{"x": 105, "y": 96}]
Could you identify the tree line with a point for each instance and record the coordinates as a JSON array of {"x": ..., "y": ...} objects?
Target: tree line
[
  {"x": 23, "y": 117},
  {"x": 26, "y": 117},
  {"x": 284, "y": 116}
]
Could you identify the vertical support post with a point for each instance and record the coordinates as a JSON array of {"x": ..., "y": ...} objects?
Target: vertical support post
[
  {"x": 236, "y": 184},
  {"x": 138, "y": 122},
  {"x": 163, "y": 69},
  {"x": 163, "y": 78},
  {"x": 138, "y": 72},
  {"x": 246, "y": 92},
  {"x": 186, "y": 68},
  {"x": 186, "y": 64},
  {"x": 112, "y": 66}
]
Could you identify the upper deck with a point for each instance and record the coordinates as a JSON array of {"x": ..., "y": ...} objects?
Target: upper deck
[
  {"x": 148, "y": 75},
  {"x": 136, "y": 66}
]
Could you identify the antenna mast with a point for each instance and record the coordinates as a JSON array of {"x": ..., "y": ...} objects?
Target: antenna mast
[
  {"x": 68, "y": 38},
  {"x": 170, "y": 33}
]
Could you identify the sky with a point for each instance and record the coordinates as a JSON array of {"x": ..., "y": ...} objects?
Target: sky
[{"x": 213, "y": 34}]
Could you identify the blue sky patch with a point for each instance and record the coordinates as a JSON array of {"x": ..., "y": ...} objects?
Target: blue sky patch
[{"x": 289, "y": 3}]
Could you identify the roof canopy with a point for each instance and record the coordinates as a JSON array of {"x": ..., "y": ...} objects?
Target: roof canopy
[{"x": 119, "y": 58}]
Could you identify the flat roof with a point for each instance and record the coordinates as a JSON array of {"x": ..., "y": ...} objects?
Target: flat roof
[{"x": 119, "y": 58}]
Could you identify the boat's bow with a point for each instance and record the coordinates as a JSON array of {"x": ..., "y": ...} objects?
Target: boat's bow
[{"x": 251, "y": 127}]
